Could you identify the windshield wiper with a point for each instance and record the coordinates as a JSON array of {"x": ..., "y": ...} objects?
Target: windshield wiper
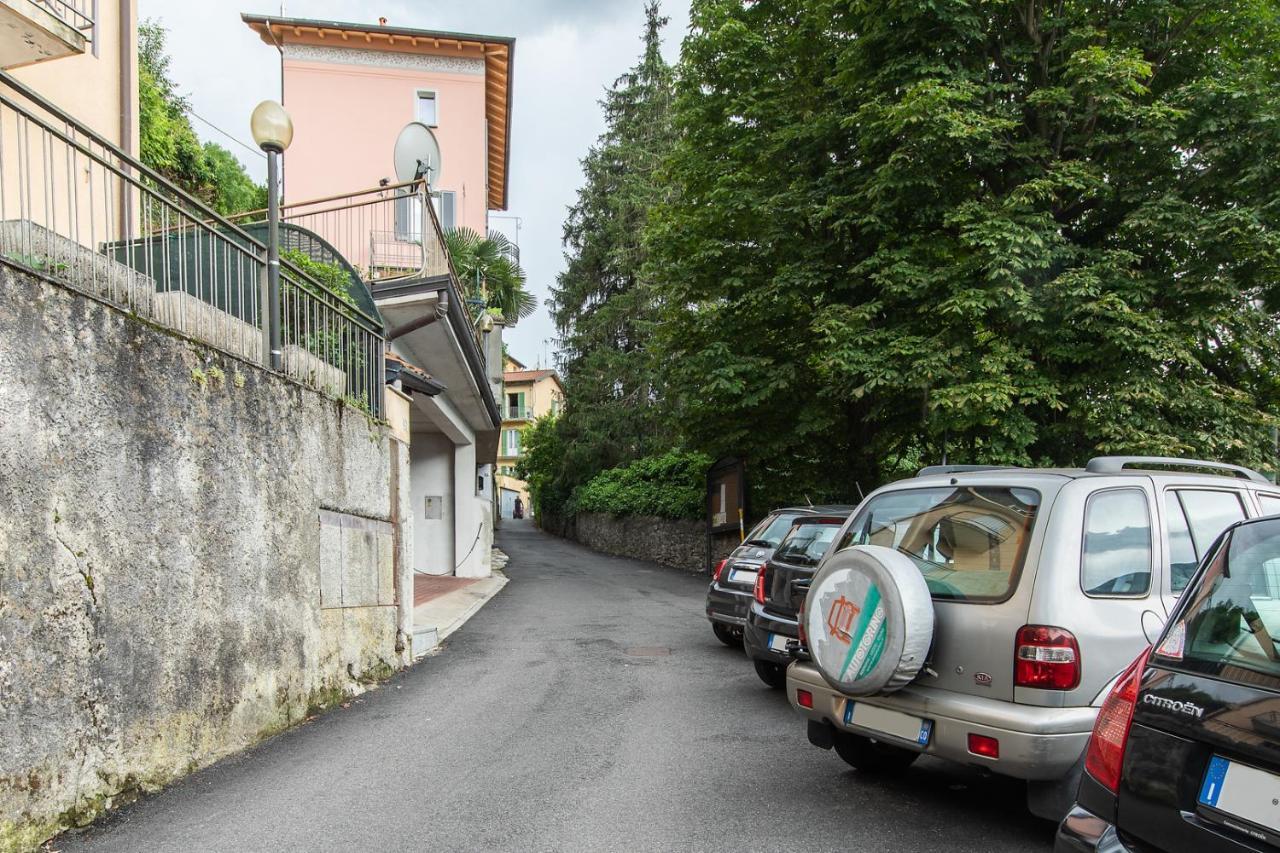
[{"x": 763, "y": 543}]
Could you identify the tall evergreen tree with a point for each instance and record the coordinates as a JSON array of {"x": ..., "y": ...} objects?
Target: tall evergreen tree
[{"x": 602, "y": 306}]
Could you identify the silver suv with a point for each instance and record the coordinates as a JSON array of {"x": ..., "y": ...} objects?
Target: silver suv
[{"x": 1045, "y": 584}]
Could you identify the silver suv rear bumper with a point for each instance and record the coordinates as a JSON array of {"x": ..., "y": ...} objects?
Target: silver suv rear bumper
[{"x": 1035, "y": 742}]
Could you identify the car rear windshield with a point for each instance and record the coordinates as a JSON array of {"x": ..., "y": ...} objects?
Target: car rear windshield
[
  {"x": 1232, "y": 616},
  {"x": 769, "y": 532},
  {"x": 969, "y": 542},
  {"x": 807, "y": 542}
]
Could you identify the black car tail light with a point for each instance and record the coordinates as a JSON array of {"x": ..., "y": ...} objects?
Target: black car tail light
[{"x": 1104, "y": 756}]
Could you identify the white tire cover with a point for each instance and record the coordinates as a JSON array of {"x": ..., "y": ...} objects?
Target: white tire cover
[{"x": 869, "y": 620}]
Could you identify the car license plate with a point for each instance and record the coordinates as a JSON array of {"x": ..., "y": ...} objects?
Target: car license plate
[
  {"x": 742, "y": 576},
  {"x": 1238, "y": 790},
  {"x": 903, "y": 726},
  {"x": 778, "y": 642}
]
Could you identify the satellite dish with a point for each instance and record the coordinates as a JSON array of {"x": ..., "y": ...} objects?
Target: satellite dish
[{"x": 417, "y": 154}]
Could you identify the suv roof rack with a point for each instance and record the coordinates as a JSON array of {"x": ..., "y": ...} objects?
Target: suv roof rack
[
  {"x": 930, "y": 470},
  {"x": 1117, "y": 464}
]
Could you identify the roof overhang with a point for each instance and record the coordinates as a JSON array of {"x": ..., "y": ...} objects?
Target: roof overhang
[
  {"x": 498, "y": 53},
  {"x": 446, "y": 348}
]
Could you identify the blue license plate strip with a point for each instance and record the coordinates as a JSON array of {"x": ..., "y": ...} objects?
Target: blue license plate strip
[{"x": 1242, "y": 797}]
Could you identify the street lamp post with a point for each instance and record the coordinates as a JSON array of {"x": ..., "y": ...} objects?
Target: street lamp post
[{"x": 273, "y": 131}]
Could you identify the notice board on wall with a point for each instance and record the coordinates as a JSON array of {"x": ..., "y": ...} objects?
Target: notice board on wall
[{"x": 727, "y": 496}]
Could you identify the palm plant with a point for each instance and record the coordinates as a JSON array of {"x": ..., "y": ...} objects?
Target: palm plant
[{"x": 490, "y": 275}]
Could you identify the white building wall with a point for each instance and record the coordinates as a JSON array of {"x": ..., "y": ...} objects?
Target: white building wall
[{"x": 431, "y": 457}]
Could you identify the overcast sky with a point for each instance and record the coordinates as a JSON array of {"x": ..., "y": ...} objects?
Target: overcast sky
[{"x": 567, "y": 53}]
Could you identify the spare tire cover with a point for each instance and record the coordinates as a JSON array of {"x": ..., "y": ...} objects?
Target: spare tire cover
[{"x": 869, "y": 620}]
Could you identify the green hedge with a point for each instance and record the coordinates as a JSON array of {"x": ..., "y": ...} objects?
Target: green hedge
[{"x": 672, "y": 485}]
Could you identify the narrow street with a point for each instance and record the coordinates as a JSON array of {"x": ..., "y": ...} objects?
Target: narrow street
[{"x": 587, "y": 707}]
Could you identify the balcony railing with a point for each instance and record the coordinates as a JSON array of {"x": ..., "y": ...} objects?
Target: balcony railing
[
  {"x": 75, "y": 208},
  {"x": 80, "y": 15},
  {"x": 517, "y": 413},
  {"x": 386, "y": 233}
]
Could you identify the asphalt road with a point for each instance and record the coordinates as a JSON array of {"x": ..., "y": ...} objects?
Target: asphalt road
[{"x": 586, "y": 707}]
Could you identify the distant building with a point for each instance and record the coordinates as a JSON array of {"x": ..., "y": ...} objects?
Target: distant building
[{"x": 526, "y": 396}]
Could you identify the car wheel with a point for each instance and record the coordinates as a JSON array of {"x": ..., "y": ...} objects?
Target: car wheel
[
  {"x": 869, "y": 756},
  {"x": 772, "y": 674},
  {"x": 727, "y": 635}
]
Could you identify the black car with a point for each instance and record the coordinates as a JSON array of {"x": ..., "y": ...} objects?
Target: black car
[
  {"x": 734, "y": 578},
  {"x": 1185, "y": 754},
  {"x": 779, "y": 589}
]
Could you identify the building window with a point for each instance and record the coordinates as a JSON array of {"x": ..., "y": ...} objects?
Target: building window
[
  {"x": 446, "y": 204},
  {"x": 511, "y": 442},
  {"x": 427, "y": 109}
]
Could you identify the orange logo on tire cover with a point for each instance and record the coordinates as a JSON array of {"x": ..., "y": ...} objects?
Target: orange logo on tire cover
[{"x": 840, "y": 618}]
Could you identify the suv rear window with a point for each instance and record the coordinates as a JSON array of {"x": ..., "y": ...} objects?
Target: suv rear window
[
  {"x": 1232, "y": 618},
  {"x": 807, "y": 542},
  {"x": 969, "y": 542}
]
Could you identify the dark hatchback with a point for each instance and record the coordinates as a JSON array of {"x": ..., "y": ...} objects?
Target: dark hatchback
[
  {"x": 780, "y": 587},
  {"x": 1185, "y": 754},
  {"x": 734, "y": 578}
]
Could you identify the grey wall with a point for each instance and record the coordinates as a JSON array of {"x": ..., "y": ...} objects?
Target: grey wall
[
  {"x": 161, "y": 555},
  {"x": 677, "y": 544}
]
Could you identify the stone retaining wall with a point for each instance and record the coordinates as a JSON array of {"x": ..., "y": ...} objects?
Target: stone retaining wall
[
  {"x": 194, "y": 552},
  {"x": 679, "y": 544}
]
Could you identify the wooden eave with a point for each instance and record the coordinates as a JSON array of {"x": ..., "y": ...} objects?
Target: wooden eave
[{"x": 497, "y": 53}]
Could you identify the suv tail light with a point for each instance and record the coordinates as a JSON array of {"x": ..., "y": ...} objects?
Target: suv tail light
[
  {"x": 1104, "y": 756},
  {"x": 715, "y": 576},
  {"x": 759, "y": 595},
  {"x": 1047, "y": 658},
  {"x": 801, "y": 633}
]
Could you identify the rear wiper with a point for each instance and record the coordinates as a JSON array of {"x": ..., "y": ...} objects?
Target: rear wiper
[
  {"x": 1262, "y": 635},
  {"x": 763, "y": 543}
]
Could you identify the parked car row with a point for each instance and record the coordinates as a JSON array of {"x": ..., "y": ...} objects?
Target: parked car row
[{"x": 1006, "y": 618}]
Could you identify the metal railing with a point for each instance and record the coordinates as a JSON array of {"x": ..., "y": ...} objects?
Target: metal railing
[
  {"x": 386, "y": 232},
  {"x": 517, "y": 413},
  {"x": 76, "y": 208},
  {"x": 81, "y": 15}
]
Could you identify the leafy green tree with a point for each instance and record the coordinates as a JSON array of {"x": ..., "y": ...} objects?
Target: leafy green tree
[
  {"x": 603, "y": 308},
  {"x": 1015, "y": 232},
  {"x": 490, "y": 273},
  {"x": 169, "y": 145},
  {"x": 233, "y": 190},
  {"x": 541, "y": 467},
  {"x": 166, "y": 140}
]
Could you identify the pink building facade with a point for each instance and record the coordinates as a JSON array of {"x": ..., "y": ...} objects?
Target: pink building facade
[{"x": 351, "y": 88}]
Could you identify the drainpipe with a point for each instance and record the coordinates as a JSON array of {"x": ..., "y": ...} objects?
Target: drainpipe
[
  {"x": 441, "y": 311},
  {"x": 128, "y": 94}
]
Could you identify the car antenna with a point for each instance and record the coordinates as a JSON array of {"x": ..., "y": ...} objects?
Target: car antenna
[
  {"x": 808, "y": 500},
  {"x": 861, "y": 495}
]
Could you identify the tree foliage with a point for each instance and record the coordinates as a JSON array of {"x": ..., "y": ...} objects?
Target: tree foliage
[
  {"x": 603, "y": 307},
  {"x": 490, "y": 273},
  {"x": 169, "y": 145},
  {"x": 1016, "y": 232},
  {"x": 668, "y": 485}
]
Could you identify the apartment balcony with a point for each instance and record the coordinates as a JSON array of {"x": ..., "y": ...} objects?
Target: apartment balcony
[
  {"x": 391, "y": 236},
  {"x": 34, "y": 31},
  {"x": 517, "y": 413}
]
